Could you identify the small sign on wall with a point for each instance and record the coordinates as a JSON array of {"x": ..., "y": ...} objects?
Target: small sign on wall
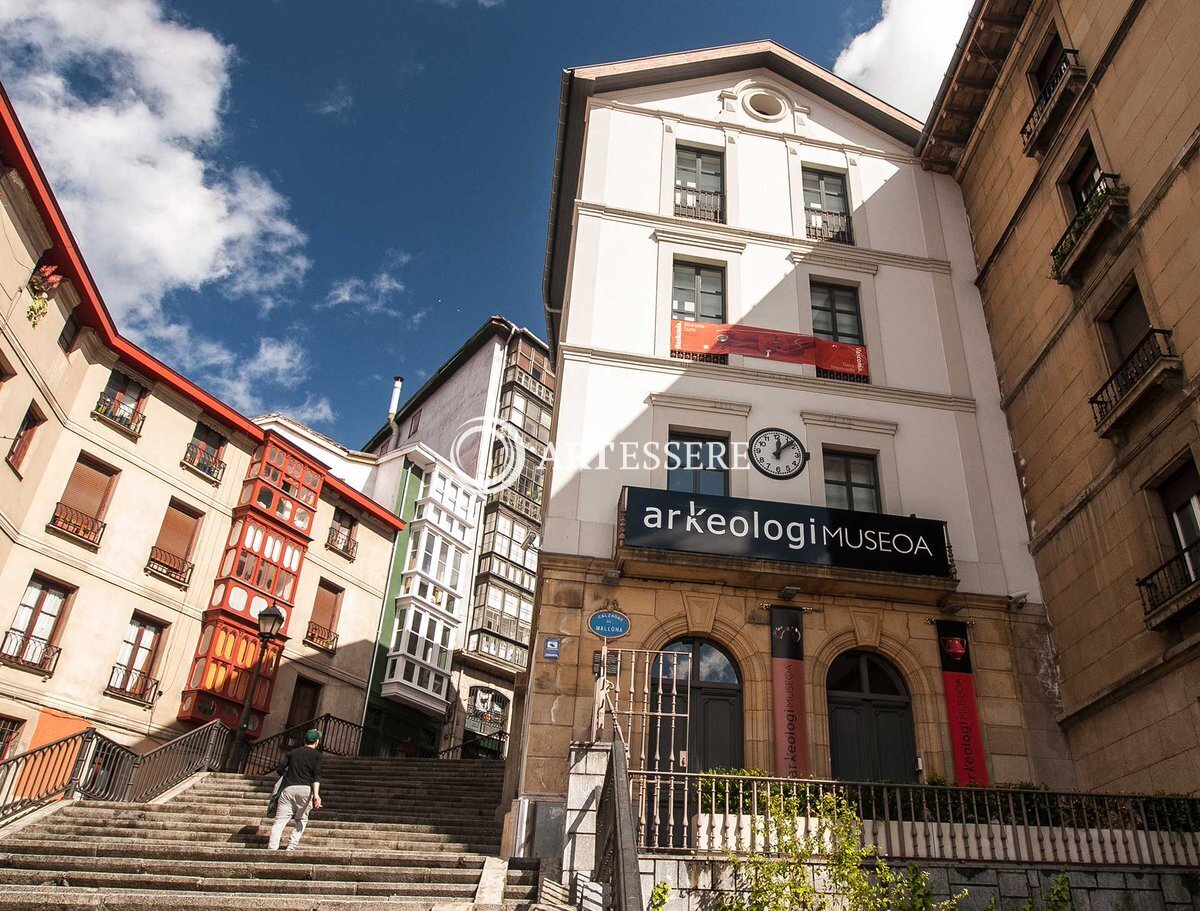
[{"x": 550, "y": 647}]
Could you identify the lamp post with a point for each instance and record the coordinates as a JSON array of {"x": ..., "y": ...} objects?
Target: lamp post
[{"x": 270, "y": 622}]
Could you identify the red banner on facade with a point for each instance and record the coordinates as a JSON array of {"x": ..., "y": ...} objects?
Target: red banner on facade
[
  {"x": 775, "y": 345},
  {"x": 787, "y": 686},
  {"x": 958, "y": 678}
]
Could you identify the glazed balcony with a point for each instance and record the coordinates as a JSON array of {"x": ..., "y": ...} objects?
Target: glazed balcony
[
  {"x": 169, "y": 566},
  {"x": 19, "y": 649},
  {"x": 1105, "y": 208},
  {"x": 498, "y": 648},
  {"x": 78, "y": 525},
  {"x": 205, "y": 462},
  {"x": 319, "y": 637},
  {"x": 1152, "y": 365},
  {"x": 1173, "y": 589},
  {"x": 1052, "y": 102},
  {"x": 341, "y": 541},
  {"x": 702, "y": 205},
  {"x": 135, "y": 686},
  {"x": 514, "y": 374},
  {"x": 120, "y": 414},
  {"x": 828, "y": 227}
]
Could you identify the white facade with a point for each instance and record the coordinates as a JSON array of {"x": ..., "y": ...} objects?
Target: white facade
[{"x": 930, "y": 412}]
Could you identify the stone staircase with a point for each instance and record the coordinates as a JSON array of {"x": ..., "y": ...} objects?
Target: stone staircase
[{"x": 392, "y": 834}]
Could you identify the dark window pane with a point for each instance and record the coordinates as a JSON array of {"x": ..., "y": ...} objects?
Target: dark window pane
[
  {"x": 844, "y": 674},
  {"x": 715, "y": 667}
]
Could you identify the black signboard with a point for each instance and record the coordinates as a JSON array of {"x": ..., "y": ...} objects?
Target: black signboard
[{"x": 763, "y": 530}]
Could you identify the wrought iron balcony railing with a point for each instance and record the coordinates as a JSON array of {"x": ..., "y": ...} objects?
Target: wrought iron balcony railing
[
  {"x": 342, "y": 541},
  {"x": 76, "y": 523},
  {"x": 171, "y": 566},
  {"x": 484, "y": 722},
  {"x": 320, "y": 637},
  {"x": 1149, "y": 351},
  {"x": 861, "y": 379},
  {"x": 703, "y": 205},
  {"x": 833, "y": 227},
  {"x": 131, "y": 684},
  {"x": 1107, "y": 186},
  {"x": 121, "y": 413},
  {"x": 204, "y": 461},
  {"x": 23, "y": 650},
  {"x": 1171, "y": 578},
  {"x": 1042, "y": 104}
]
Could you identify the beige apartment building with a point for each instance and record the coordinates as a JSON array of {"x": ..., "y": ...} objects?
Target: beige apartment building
[
  {"x": 1072, "y": 128},
  {"x": 144, "y": 523}
]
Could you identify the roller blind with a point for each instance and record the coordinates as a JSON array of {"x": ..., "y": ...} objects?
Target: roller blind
[
  {"x": 325, "y": 607},
  {"x": 88, "y": 487},
  {"x": 178, "y": 529}
]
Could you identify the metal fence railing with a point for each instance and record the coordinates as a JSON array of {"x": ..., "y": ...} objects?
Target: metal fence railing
[
  {"x": 338, "y": 737},
  {"x": 1068, "y": 60},
  {"x": 711, "y": 813},
  {"x": 23, "y": 650},
  {"x": 1154, "y": 347},
  {"x": 204, "y": 460},
  {"x": 80, "y": 524},
  {"x": 172, "y": 566}
]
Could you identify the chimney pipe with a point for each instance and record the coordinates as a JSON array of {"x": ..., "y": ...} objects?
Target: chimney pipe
[{"x": 397, "y": 385}]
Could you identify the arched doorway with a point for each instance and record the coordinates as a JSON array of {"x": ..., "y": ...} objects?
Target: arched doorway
[
  {"x": 870, "y": 720},
  {"x": 714, "y": 703}
]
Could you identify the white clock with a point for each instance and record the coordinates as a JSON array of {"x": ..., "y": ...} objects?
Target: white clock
[{"x": 778, "y": 453}]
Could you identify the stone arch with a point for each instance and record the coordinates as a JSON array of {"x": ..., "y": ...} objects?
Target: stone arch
[{"x": 922, "y": 688}]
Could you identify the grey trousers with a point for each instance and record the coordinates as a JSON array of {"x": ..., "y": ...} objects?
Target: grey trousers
[{"x": 294, "y": 804}]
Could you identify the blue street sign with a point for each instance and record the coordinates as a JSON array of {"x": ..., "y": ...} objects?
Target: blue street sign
[
  {"x": 550, "y": 648},
  {"x": 609, "y": 624}
]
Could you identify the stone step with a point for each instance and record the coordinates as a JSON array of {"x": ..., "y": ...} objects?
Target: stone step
[
  {"x": 57, "y": 898},
  {"x": 142, "y": 829},
  {"x": 333, "y": 806},
  {"x": 261, "y": 865},
  {"x": 238, "y": 815},
  {"x": 193, "y": 884},
  {"x": 315, "y": 840},
  {"x": 341, "y": 798},
  {"x": 390, "y": 789}
]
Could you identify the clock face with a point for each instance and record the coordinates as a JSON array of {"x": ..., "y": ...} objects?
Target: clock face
[{"x": 778, "y": 453}]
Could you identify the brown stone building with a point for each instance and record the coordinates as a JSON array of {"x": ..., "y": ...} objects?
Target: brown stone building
[{"x": 1072, "y": 128}]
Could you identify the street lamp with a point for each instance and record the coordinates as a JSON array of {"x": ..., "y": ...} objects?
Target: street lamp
[{"x": 270, "y": 622}]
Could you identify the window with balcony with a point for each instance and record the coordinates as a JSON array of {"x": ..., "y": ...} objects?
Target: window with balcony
[
  {"x": 170, "y": 557},
  {"x": 204, "y": 452},
  {"x": 29, "y": 642},
  {"x": 697, "y": 464},
  {"x": 851, "y": 481},
  {"x": 132, "y": 677},
  {"x": 24, "y": 437},
  {"x": 488, "y": 710},
  {"x": 10, "y": 730},
  {"x": 1174, "y": 587},
  {"x": 69, "y": 333},
  {"x": 837, "y": 317},
  {"x": 699, "y": 184},
  {"x": 533, "y": 361},
  {"x": 504, "y": 611},
  {"x": 343, "y": 532},
  {"x": 526, "y": 413},
  {"x": 826, "y": 207},
  {"x": 1054, "y": 78},
  {"x": 1083, "y": 179},
  {"x": 485, "y": 643},
  {"x": 322, "y": 626},
  {"x": 1141, "y": 359},
  {"x": 121, "y": 403},
  {"x": 80, "y": 512},
  {"x": 1096, "y": 201}
]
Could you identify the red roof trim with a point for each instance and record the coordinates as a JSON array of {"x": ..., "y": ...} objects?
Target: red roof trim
[{"x": 18, "y": 153}]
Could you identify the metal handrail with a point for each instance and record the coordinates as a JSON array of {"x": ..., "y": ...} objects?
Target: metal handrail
[
  {"x": 1167, "y": 580},
  {"x": 338, "y": 737},
  {"x": 703, "y": 205},
  {"x": 616, "y": 836},
  {"x": 341, "y": 541},
  {"x": 80, "y": 524},
  {"x": 204, "y": 461},
  {"x": 43, "y": 774},
  {"x": 321, "y": 637},
  {"x": 688, "y": 812},
  {"x": 835, "y": 227},
  {"x": 1069, "y": 58},
  {"x": 121, "y": 413},
  {"x": 1153, "y": 347},
  {"x": 131, "y": 684},
  {"x": 173, "y": 566},
  {"x": 1106, "y": 185},
  {"x": 33, "y": 652},
  {"x": 455, "y": 751},
  {"x": 164, "y": 767}
]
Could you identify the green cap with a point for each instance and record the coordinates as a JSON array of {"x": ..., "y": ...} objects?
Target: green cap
[{"x": 312, "y": 736}]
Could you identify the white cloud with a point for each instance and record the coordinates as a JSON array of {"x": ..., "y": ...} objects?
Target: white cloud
[
  {"x": 276, "y": 364},
  {"x": 373, "y": 295},
  {"x": 903, "y": 57},
  {"x": 336, "y": 102},
  {"x": 124, "y": 108}
]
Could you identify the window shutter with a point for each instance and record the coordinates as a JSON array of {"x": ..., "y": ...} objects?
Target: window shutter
[
  {"x": 178, "y": 529},
  {"x": 324, "y": 612},
  {"x": 88, "y": 487}
]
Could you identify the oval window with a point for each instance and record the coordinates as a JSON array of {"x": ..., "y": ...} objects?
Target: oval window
[{"x": 765, "y": 105}]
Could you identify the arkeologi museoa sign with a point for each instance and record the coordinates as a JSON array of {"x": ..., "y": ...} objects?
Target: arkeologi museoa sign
[{"x": 765, "y": 530}]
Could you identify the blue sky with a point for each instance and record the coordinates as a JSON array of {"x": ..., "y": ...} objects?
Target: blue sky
[{"x": 293, "y": 201}]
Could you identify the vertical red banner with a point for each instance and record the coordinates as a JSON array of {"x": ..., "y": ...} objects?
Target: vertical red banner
[
  {"x": 787, "y": 686},
  {"x": 958, "y": 679}
]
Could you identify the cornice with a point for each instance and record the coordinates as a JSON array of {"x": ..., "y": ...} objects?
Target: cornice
[
  {"x": 726, "y": 127},
  {"x": 849, "y": 422},
  {"x": 843, "y": 256},
  {"x": 698, "y": 239},
  {"x": 760, "y": 378},
  {"x": 668, "y": 400}
]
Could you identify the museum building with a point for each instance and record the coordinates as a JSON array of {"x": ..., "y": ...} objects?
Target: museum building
[{"x": 789, "y": 470}]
